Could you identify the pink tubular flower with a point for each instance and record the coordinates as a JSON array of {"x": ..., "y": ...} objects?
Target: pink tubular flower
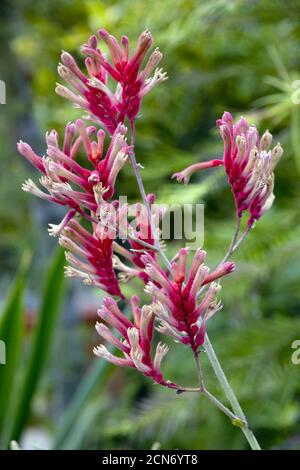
[
  {"x": 90, "y": 257},
  {"x": 249, "y": 165},
  {"x": 92, "y": 93},
  {"x": 136, "y": 339},
  {"x": 185, "y": 175},
  {"x": 182, "y": 316},
  {"x": 68, "y": 183}
]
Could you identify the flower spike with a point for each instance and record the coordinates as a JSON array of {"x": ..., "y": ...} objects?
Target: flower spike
[
  {"x": 176, "y": 304},
  {"x": 92, "y": 93},
  {"x": 136, "y": 342},
  {"x": 249, "y": 164}
]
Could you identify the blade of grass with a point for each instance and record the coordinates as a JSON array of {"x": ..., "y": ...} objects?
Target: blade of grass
[
  {"x": 96, "y": 374},
  {"x": 47, "y": 319},
  {"x": 11, "y": 333}
]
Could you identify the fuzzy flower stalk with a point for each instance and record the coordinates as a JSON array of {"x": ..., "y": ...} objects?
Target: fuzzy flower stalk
[{"x": 80, "y": 171}]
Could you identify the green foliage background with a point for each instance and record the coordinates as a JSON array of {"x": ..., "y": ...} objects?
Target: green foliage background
[{"x": 242, "y": 56}]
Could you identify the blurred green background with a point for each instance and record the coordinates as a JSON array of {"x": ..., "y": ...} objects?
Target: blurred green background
[{"x": 242, "y": 56}]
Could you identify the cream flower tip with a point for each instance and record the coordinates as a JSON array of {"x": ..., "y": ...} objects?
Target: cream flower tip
[
  {"x": 101, "y": 351},
  {"x": 181, "y": 177},
  {"x": 28, "y": 185},
  {"x": 54, "y": 230}
]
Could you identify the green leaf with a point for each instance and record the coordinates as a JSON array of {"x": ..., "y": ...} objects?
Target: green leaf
[
  {"x": 47, "y": 319},
  {"x": 86, "y": 420},
  {"x": 11, "y": 332},
  {"x": 96, "y": 373}
]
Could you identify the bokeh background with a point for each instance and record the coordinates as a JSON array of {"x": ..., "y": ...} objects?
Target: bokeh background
[{"x": 242, "y": 56}]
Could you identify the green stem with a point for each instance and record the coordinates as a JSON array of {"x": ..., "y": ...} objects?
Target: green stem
[
  {"x": 229, "y": 393},
  {"x": 236, "y": 420},
  {"x": 231, "y": 248},
  {"x": 139, "y": 180}
]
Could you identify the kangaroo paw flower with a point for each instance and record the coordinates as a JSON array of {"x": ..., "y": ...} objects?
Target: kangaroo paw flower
[
  {"x": 136, "y": 339},
  {"x": 91, "y": 91},
  {"x": 176, "y": 305}
]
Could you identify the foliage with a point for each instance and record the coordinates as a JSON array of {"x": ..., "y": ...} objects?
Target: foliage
[
  {"x": 17, "y": 391},
  {"x": 45, "y": 329},
  {"x": 11, "y": 330}
]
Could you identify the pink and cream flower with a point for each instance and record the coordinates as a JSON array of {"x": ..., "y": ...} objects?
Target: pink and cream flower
[
  {"x": 249, "y": 163},
  {"x": 93, "y": 93}
]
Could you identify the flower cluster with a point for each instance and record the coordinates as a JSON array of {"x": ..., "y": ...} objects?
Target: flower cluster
[
  {"x": 84, "y": 191},
  {"x": 180, "y": 303},
  {"x": 249, "y": 164},
  {"x": 90, "y": 257},
  {"x": 68, "y": 183},
  {"x": 92, "y": 92},
  {"x": 136, "y": 339}
]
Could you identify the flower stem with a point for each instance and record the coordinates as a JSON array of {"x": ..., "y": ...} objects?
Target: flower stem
[
  {"x": 235, "y": 242},
  {"x": 139, "y": 180},
  {"x": 234, "y": 419},
  {"x": 237, "y": 421},
  {"x": 231, "y": 248},
  {"x": 200, "y": 372},
  {"x": 229, "y": 393},
  {"x": 242, "y": 238}
]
